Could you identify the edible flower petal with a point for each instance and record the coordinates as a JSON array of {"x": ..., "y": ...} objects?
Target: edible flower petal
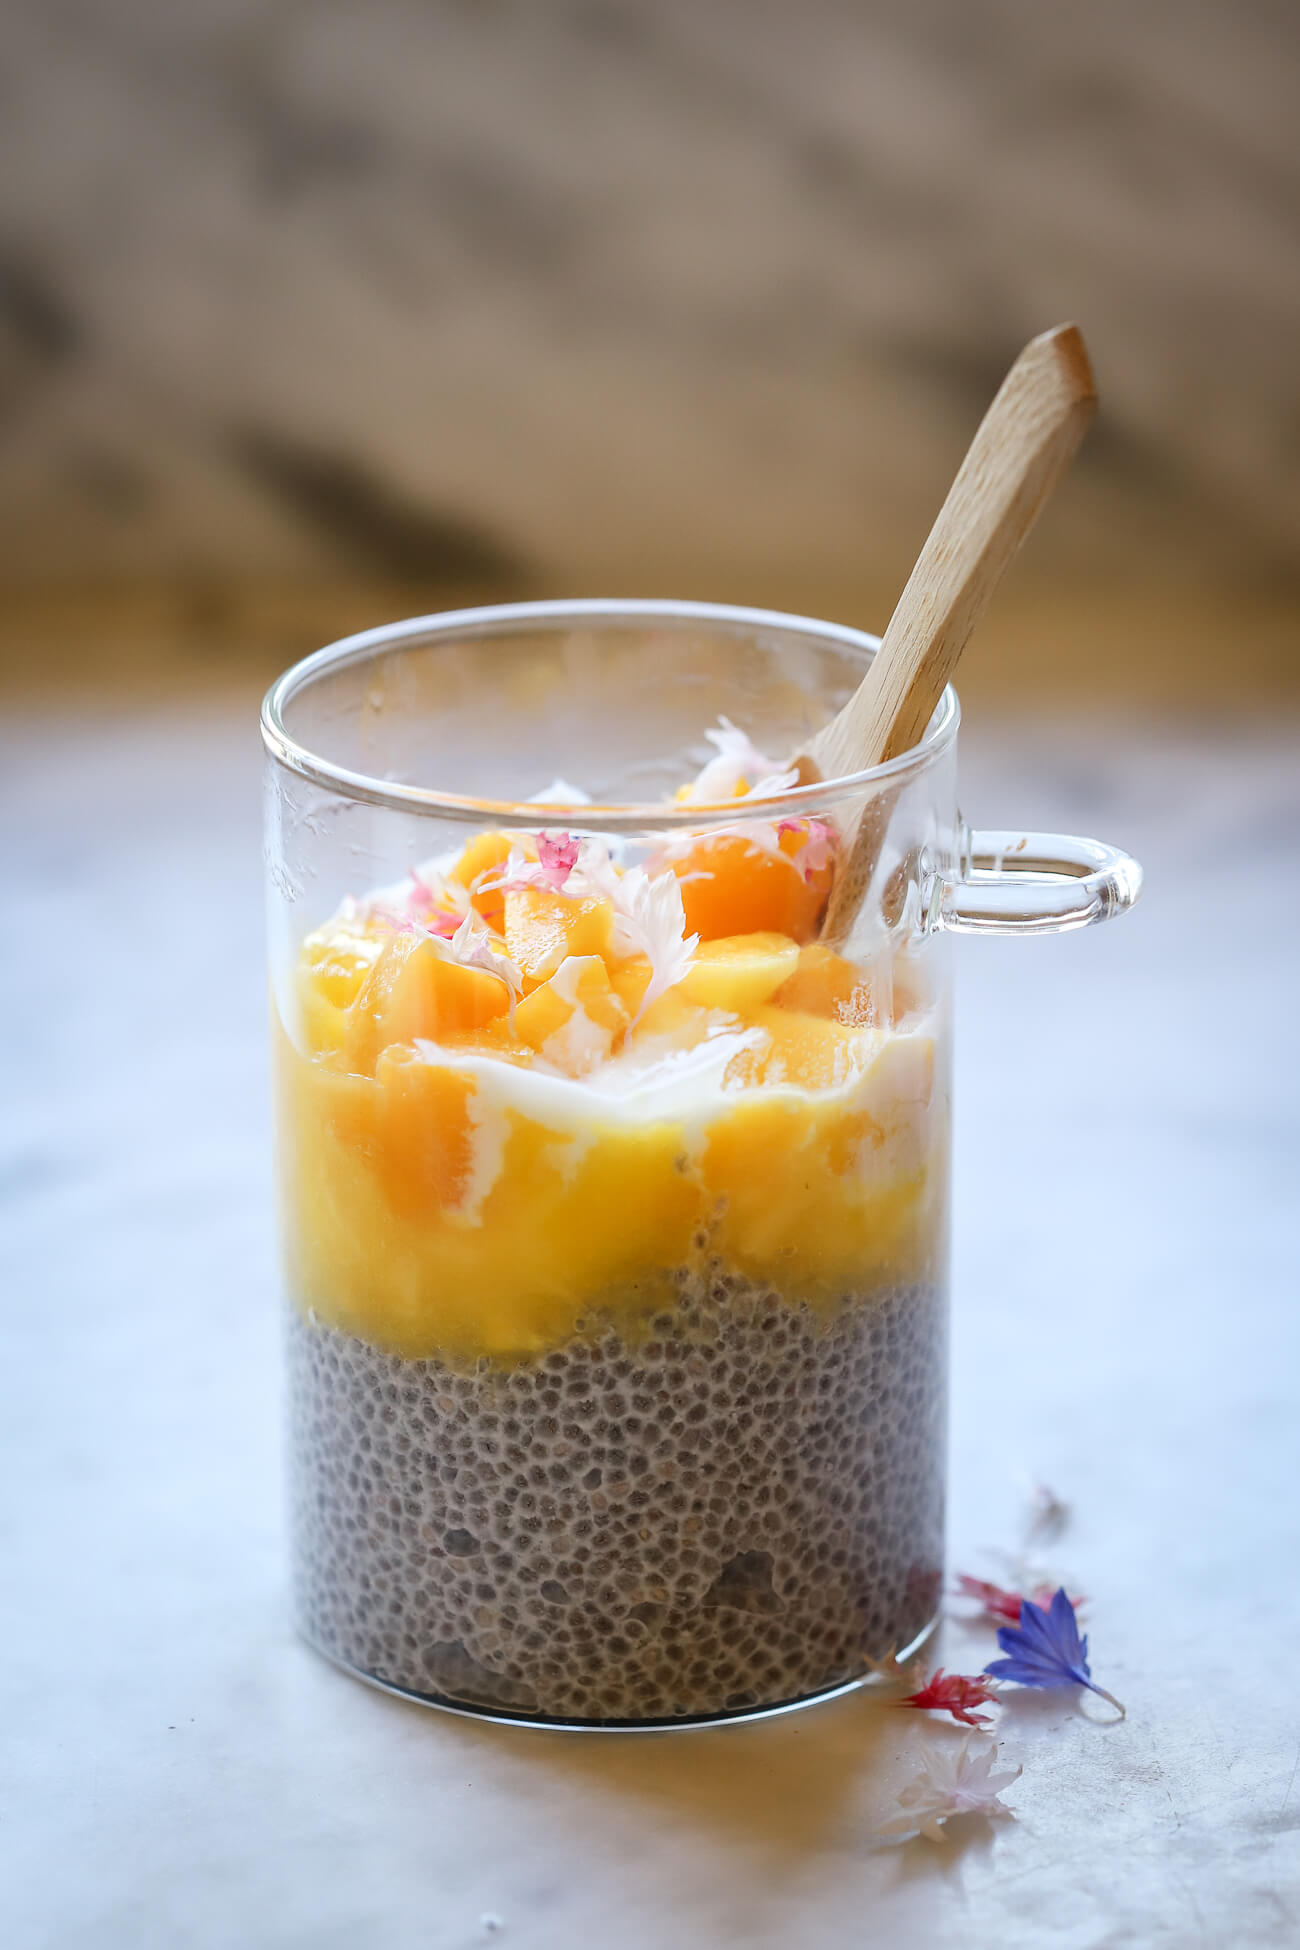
[
  {"x": 557, "y": 856},
  {"x": 998, "y": 1602},
  {"x": 472, "y": 946},
  {"x": 889, "y": 1669},
  {"x": 443, "y": 922},
  {"x": 434, "y": 902},
  {"x": 518, "y": 870},
  {"x": 650, "y": 920},
  {"x": 994, "y": 1598},
  {"x": 1047, "y": 1517},
  {"x": 1045, "y": 1650},
  {"x": 560, "y": 793},
  {"x": 956, "y": 1778},
  {"x": 739, "y": 769},
  {"x": 819, "y": 845},
  {"x": 954, "y": 1693}
]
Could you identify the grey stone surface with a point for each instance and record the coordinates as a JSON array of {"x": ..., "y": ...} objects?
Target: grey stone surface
[{"x": 178, "y": 1772}]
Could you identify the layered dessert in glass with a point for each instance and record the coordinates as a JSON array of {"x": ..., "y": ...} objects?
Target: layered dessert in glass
[{"x": 615, "y": 1221}]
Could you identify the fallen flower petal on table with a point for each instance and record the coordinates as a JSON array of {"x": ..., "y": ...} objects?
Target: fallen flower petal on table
[
  {"x": 1045, "y": 1650},
  {"x": 998, "y": 1602},
  {"x": 888, "y": 1669},
  {"x": 1047, "y": 1516},
  {"x": 956, "y": 1778},
  {"x": 954, "y": 1693}
]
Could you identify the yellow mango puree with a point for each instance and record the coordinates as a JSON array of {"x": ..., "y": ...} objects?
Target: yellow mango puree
[{"x": 468, "y": 1172}]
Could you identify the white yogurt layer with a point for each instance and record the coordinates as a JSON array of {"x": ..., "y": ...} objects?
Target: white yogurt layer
[{"x": 652, "y": 1083}]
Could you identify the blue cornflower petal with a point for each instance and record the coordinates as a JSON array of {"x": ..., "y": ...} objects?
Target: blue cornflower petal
[
  {"x": 1051, "y": 1635},
  {"x": 1045, "y": 1649},
  {"x": 1032, "y": 1672}
]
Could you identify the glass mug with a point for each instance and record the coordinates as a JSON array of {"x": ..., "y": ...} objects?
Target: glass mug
[{"x": 617, "y": 1359}]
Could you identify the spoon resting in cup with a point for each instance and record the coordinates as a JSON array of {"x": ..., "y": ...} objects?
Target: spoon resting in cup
[{"x": 1036, "y": 421}]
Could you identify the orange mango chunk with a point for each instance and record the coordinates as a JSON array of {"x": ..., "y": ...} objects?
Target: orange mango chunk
[
  {"x": 825, "y": 984},
  {"x": 413, "y": 991},
  {"x": 339, "y": 959},
  {"x": 680, "y": 1022},
  {"x": 322, "y": 1023},
  {"x": 484, "y": 854},
  {"x": 425, "y": 1138},
  {"x": 542, "y": 929},
  {"x": 739, "y": 971},
  {"x": 808, "y": 1052},
  {"x": 496, "y": 1039},
  {"x": 575, "y": 1018},
  {"x": 685, "y": 793},
  {"x": 334, "y": 964},
  {"x": 346, "y": 1106},
  {"x": 731, "y": 886},
  {"x": 629, "y": 979}
]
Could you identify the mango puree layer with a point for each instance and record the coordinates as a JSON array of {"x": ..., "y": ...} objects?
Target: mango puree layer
[{"x": 465, "y": 1193}]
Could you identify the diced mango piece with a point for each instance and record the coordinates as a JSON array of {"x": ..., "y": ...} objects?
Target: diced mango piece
[
  {"x": 809, "y": 1052},
  {"x": 334, "y": 963},
  {"x": 484, "y": 854},
  {"x": 346, "y": 1106},
  {"x": 415, "y": 990},
  {"x": 739, "y": 971},
  {"x": 760, "y": 1162},
  {"x": 338, "y": 959},
  {"x": 686, "y": 793},
  {"x": 678, "y": 1020},
  {"x": 629, "y": 980},
  {"x": 496, "y": 1038},
  {"x": 574, "y": 1019},
  {"x": 825, "y": 984},
  {"x": 542, "y": 929},
  {"x": 798, "y": 1189},
  {"x": 541, "y": 1014},
  {"x": 323, "y": 1025},
  {"x": 731, "y": 886},
  {"x": 425, "y": 1135}
]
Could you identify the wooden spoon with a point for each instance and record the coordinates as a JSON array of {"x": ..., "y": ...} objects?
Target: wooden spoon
[{"x": 1038, "y": 418}]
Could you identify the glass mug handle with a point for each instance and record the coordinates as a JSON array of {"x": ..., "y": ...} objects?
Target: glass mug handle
[{"x": 1034, "y": 883}]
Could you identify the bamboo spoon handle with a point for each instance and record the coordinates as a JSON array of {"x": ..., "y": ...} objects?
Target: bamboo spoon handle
[{"x": 1035, "y": 423}]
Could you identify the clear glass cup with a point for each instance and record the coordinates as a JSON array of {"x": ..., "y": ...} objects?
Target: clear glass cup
[{"x": 618, "y": 1398}]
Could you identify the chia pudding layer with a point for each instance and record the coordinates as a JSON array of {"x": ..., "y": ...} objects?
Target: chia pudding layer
[{"x": 727, "y": 1507}]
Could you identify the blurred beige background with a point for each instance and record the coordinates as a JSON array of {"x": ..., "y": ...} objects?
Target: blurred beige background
[{"x": 311, "y": 315}]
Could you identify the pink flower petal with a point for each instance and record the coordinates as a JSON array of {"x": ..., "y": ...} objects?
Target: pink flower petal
[
  {"x": 557, "y": 856},
  {"x": 954, "y": 1693}
]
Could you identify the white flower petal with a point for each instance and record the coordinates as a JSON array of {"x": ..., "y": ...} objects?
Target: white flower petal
[
  {"x": 956, "y": 1778},
  {"x": 561, "y": 793},
  {"x": 471, "y": 946},
  {"x": 649, "y": 920},
  {"x": 738, "y": 758}
]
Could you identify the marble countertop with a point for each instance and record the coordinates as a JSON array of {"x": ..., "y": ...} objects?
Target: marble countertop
[{"x": 179, "y": 1771}]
